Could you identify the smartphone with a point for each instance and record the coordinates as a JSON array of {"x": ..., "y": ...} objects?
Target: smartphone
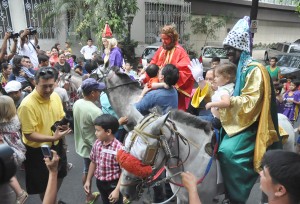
[{"x": 46, "y": 151}]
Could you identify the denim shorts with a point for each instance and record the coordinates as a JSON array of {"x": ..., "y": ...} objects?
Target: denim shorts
[{"x": 86, "y": 164}]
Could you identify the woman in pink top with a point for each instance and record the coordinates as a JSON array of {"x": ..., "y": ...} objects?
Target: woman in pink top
[{"x": 54, "y": 56}]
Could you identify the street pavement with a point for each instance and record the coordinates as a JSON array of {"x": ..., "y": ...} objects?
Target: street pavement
[{"x": 72, "y": 192}]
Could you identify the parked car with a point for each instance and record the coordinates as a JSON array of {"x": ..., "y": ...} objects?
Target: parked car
[
  {"x": 151, "y": 49},
  {"x": 289, "y": 64},
  {"x": 280, "y": 49},
  {"x": 208, "y": 52}
]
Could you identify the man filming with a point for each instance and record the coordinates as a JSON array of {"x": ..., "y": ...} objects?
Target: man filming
[
  {"x": 27, "y": 47},
  {"x": 4, "y": 57}
]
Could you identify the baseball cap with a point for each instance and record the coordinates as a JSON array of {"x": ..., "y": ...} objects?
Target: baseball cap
[
  {"x": 12, "y": 86},
  {"x": 92, "y": 84}
]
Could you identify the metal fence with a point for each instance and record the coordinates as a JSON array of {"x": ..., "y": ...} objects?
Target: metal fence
[
  {"x": 159, "y": 14},
  {"x": 34, "y": 19},
  {"x": 5, "y": 21}
]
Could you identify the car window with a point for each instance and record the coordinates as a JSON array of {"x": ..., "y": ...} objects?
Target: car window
[
  {"x": 285, "y": 48},
  {"x": 279, "y": 47},
  {"x": 289, "y": 61},
  {"x": 295, "y": 49},
  {"x": 149, "y": 51},
  {"x": 211, "y": 52}
]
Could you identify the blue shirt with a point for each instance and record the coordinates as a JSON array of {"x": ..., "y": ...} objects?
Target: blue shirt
[{"x": 163, "y": 98}]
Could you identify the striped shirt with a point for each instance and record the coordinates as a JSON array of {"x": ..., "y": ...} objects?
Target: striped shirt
[{"x": 104, "y": 156}]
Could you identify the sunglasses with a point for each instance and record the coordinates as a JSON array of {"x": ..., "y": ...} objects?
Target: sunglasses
[{"x": 47, "y": 71}]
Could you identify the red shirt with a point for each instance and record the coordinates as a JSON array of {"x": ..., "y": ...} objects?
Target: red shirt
[{"x": 104, "y": 156}]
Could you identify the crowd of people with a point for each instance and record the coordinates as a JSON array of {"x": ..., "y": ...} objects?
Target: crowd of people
[{"x": 241, "y": 99}]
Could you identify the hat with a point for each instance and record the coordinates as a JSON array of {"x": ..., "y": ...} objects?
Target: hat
[
  {"x": 240, "y": 37},
  {"x": 12, "y": 86},
  {"x": 92, "y": 84},
  {"x": 107, "y": 31}
]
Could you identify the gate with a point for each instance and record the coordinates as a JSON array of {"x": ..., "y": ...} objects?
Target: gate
[{"x": 158, "y": 14}]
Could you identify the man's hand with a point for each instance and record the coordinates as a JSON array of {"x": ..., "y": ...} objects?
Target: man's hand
[
  {"x": 123, "y": 120},
  {"x": 60, "y": 132},
  {"x": 52, "y": 164},
  {"x": 196, "y": 69},
  {"x": 189, "y": 181},
  {"x": 7, "y": 35},
  {"x": 114, "y": 196},
  {"x": 28, "y": 89},
  {"x": 208, "y": 105}
]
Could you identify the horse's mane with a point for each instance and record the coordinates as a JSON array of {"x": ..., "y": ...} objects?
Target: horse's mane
[
  {"x": 187, "y": 119},
  {"x": 190, "y": 120},
  {"x": 123, "y": 76}
]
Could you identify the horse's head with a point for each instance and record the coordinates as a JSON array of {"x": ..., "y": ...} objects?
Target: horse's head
[{"x": 144, "y": 155}]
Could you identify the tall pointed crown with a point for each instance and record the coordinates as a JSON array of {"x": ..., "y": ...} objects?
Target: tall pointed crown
[{"x": 107, "y": 31}]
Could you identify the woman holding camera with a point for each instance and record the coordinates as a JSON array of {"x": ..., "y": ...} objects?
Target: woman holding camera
[{"x": 10, "y": 134}]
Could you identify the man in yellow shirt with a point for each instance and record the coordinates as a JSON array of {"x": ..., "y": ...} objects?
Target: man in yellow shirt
[{"x": 37, "y": 113}]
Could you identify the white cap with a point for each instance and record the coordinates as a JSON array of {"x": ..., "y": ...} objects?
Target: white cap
[{"x": 12, "y": 86}]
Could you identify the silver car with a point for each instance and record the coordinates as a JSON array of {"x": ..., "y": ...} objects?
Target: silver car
[{"x": 208, "y": 52}]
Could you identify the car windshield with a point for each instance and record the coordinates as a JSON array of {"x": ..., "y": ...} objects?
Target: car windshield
[
  {"x": 295, "y": 49},
  {"x": 211, "y": 52},
  {"x": 288, "y": 61}
]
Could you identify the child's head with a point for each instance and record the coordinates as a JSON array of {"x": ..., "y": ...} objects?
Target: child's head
[
  {"x": 78, "y": 69},
  {"x": 106, "y": 126},
  {"x": 7, "y": 108},
  {"x": 224, "y": 74},
  {"x": 152, "y": 70},
  {"x": 67, "y": 44},
  {"x": 294, "y": 85},
  {"x": 273, "y": 61},
  {"x": 128, "y": 66},
  {"x": 169, "y": 74},
  {"x": 214, "y": 62},
  {"x": 278, "y": 87}
]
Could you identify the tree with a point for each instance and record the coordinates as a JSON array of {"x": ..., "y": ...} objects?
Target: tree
[
  {"x": 209, "y": 25},
  {"x": 89, "y": 16}
]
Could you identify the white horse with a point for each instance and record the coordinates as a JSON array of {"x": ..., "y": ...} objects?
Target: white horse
[{"x": 122, "y": 92}]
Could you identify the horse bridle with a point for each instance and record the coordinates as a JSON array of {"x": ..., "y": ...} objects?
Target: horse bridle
[{"x": 150, "y": 156}]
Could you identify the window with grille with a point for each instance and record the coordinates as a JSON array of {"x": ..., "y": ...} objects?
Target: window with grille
[
  {"x": 5, "y": 21},
  {"x": 34, "y": 18},
  {"x": 159, "y": 14}
]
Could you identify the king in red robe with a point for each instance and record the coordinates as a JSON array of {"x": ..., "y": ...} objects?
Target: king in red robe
[{"x": 172, "y": 53}]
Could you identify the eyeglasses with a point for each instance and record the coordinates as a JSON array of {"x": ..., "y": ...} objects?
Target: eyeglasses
[{"x": 46, "y": 71}]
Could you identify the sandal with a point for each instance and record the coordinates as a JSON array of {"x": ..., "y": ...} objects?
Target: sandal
[
  {"x": 96, "y": 195},
  {"x": 22, "y": 198}
]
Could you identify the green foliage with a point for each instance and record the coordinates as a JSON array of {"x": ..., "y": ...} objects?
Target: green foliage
[
  {"x": 89, "y": 16},
  {"x": 209, "y": 25}
]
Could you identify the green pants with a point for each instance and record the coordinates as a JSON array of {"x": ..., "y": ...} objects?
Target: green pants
[{"x": 236, "y": 159}]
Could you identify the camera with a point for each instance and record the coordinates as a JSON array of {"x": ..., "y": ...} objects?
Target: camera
[
  {"x": 14, "y": 35},
  {"x": 63, "y": 121},
  {"x": 32, "y": 31},
  {"x": 8, "y": 166}
]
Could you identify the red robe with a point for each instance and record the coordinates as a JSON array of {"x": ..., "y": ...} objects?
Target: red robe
[{"x": 178, "y": 57}]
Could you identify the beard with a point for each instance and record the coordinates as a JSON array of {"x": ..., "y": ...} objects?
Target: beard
[{"x": 169, "y": 46}]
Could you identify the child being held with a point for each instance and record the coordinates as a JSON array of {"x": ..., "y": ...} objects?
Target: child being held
[
  {"x": 151, "y": 80},
  {"x": 224, "y": 78},
  {"x": 104, "y": 165},
  {"x": 279, "y": 98}
]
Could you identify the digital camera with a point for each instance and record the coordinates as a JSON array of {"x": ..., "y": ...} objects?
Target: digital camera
[
  {"x": 32, "y": 31},
  {"x": 14, "y": 35},
  {"x": 63, "y": 121}
]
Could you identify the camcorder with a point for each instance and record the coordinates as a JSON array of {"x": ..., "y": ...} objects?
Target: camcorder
[
  {"x": 8, "y": 166},
  {"x": 32, "y": 31},
  {"x": 14, "y": 35},
  {"x": 63, "y": 121}
]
